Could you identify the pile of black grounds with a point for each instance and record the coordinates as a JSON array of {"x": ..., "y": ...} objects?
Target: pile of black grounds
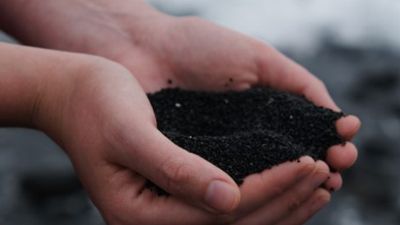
[{"x": 245, "y": 132}]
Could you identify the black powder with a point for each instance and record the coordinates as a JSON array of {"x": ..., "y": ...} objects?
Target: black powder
[{"x": 245, "y": 132}]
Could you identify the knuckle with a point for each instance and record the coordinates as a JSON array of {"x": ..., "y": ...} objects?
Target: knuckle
[
  {"x": 306, "y": 169},
  {"x": 175, "y": 171},
  {"x": 115, "y": 134},
  {"x": 276, "y": 191},
  {"x": 293, "y": 203}
]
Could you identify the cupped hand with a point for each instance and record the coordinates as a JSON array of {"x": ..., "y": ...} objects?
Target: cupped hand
[
  {"x": 115, "y": 126},
  {"x": 100, "y": 115},
  {"x": 193, "y": 53}
]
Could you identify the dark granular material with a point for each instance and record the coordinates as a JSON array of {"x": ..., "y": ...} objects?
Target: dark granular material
[{"x": 245, "y": 132}]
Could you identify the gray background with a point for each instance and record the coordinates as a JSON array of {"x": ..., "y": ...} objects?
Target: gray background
[{"x": 352, "y": 45}]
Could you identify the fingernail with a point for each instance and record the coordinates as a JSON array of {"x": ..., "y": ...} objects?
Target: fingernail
[
  {"x": 222, "y": 196},
  {"x": 304, "y": 173},
  {"x": 318, "y": 204},
  {"x": 319, "y": 178}
]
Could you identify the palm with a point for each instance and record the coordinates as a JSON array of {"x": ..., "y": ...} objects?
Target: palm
[
  {"x": 195, "y": 54},
  {"x": 225, "y": 60},
  {"x": 198, "y": 55},
  {"x": 111, "y": 120}
]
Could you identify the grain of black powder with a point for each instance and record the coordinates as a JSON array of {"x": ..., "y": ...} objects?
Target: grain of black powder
[{"x": 245, "y": 132}]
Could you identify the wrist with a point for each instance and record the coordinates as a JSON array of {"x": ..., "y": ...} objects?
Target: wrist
[
  {"x": 86, "y": 26},
  {"x": 69, "y": 91},
  {"x": 62, "y": 76},
  {"x": 24, "y": 75}
]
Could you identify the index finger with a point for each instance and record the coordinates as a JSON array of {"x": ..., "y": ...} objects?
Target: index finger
[
  {"x": 280, "y": 72},
  {"x": 258, "y": 189}
]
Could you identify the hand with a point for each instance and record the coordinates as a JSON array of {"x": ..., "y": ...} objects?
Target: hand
[
  {"x": 193, "y": 60},
  {"x": 98, "y": 113},
  {"x": 195, "y": 54}
]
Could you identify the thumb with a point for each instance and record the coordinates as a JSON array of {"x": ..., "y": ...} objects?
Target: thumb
[{"x": 182, "y": 173}]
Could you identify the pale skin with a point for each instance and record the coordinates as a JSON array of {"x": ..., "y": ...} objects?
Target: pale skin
[{"x": 96, "y": 109}]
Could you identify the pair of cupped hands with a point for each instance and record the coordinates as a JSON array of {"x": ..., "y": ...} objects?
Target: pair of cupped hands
[{"x": 97, "y": 110}]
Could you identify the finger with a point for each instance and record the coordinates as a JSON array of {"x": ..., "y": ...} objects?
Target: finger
[
  {"x": 262, "y": 187},
  {"x": 278, "y": 71},
  {"x": 334, "y": 183},
  {"x": 317, "y": 201},
  {"x": 124, "y": 201},
  {"x": 289, "y": 201},
  {"x": 178, "y": 172},
  {"x": 341, "y": 157},
  {"x": 348, "y": 126},
  {"x": 177, "y": 212}
]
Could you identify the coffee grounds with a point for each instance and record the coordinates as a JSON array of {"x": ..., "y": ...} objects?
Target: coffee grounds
[{"x": 245, "y": 132}]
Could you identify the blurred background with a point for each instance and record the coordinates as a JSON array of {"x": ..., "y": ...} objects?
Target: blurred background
[{"x": 352, "y": 45}]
